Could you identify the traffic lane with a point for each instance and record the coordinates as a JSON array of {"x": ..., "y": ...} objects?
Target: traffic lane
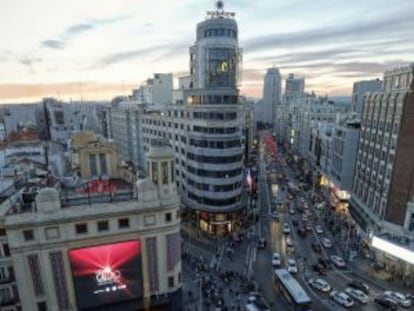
[{"x": 263, "y": 273}]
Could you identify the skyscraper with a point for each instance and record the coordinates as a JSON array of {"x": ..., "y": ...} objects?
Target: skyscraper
[
  {"x": 272, "y": 90},
  {"x": 295, "y": 87},
  {"x": 360, "y": 89}
]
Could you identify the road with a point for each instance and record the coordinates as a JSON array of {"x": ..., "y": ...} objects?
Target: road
[{"x": 303, "y": 252}]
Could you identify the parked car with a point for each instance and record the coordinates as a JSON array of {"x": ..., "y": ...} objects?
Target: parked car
[
  {"x": 292, "y": 267},
  {"x": 338, "y": 261},
  {"x": 286, "y": 228},
  {"x": 276, "y": 261},
  {"x": 386, "y": 303},
  {"x": 399, "y": 298},
  {"x": 342, "y": 298},
  {"x": 261, "y": 244},
  {"x": 326, "y": 243},
  {"x": 320, "y": 284},
  {"x": 316, "y": 247},
  {"x": 357, "y": 294},
  {"x": 359, "y": 285},
  {"x": 319, "y": 229}
]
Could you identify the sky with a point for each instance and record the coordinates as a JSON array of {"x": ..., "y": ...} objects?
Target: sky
[{"x": 97, "y": 49}]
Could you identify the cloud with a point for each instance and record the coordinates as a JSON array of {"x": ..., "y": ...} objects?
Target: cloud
[
  {"x": 127, "y": 55},
  {"x": 27, "y": 61},
  {"x": 380, "y": 28},
  {"x": 75, "y": 30},
  {"x": 53, "y": 44}
]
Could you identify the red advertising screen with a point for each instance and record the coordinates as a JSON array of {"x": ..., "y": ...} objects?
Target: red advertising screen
[{"x": 106, "y": 274}]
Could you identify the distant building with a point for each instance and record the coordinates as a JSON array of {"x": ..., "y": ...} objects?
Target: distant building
[
  {"x": 360, "y": 89},
  {"x": 295, "y": 87},
  {"x": 272, "y": 92},
  {"x": 81, "y": 249},
  {"x": 94, "y": 157},
  {"x": 157, "y": 91}
]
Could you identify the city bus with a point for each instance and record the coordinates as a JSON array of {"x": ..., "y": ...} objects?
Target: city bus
[{"x": 291, "y": 291}]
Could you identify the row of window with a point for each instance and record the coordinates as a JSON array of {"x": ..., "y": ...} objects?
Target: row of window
[
  {"x": 213, "y": 99},
  {"x": 215, "y": 188},
  {"x": 214, "y": 174},
  {"x": 215, "y": 115},
  {"x": 215, "y": 130},
  {"x": 101, "y": 225},
  {"x": 213, "y": 202},
  {"x": 220, "y": 32},
  {"x": 214, "y": 160},
  {"x": 215, "y": 144}
]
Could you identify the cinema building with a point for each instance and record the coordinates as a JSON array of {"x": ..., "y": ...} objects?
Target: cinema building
[{"x": 118, "y": 248}]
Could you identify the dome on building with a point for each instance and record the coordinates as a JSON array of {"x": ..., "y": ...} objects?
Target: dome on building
[
  {"x": 48, "y": 200},
  {"x": 146, "y": 190}
]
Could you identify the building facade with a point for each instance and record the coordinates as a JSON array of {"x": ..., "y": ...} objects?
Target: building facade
[
  {"x": 360, "y": 89},
  {"x": 113, "y": 250}
]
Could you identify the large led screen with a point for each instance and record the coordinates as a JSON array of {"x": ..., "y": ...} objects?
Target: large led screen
[{"x": 106, "y": 274}]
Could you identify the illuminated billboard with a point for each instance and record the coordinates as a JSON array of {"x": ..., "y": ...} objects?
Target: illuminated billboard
[
  {"x": 393, "y": 249},
  {"x": 106, "y": 274}
]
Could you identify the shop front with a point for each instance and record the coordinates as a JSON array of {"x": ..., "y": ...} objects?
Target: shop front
[{"x": 217, "y": 223}]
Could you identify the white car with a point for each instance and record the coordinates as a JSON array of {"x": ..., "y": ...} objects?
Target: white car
[
  {"x": 399, "y": 298},
  {"x": 276, "y": 261},
  {"x": 275, "y": 215},
  {"x": 319, "y": 229},
  {"x": 357, "y": 294},
  {"x": 320, "y": 284},
  {"x": 338, "y": 261},
  {"x": 286, "y": 228},
  {"x": 291, "y": 211},
  {"x": 289, "y": 242},
  {"x": 292, "y": 267},
  {"x": 342, "y": 298},
  {"x": 326, "y": 243}
]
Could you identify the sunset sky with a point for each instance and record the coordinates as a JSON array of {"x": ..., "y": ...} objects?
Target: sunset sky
[{"x": 96, "y": 49}]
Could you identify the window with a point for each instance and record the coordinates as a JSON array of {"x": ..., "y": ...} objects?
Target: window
[
  {"x": 170, "y": 281},
  {"x": 103, "y": 225},
  {"x": 164, "y": 172},
  {"x": 123, "y": 223},
  {"x": 2, "y": 232},
  {"x": 28, "y": 235},
  {"x": 179, "y": 277},
  {"x": 168, "y": 217},
  {"x": 41, "y": 306},
  {"x": 93, "y": 165},
  {"x": 81, "y": 228},
  {"x": 6, "y": 250}
]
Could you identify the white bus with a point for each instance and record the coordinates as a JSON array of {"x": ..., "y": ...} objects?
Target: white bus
[{"x": 291, "y": 291}]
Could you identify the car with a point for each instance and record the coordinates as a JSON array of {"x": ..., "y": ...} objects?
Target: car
[
  {"x": 326, "y": 243},
  {"x": 291, "y": 211},
  {"x": 342, "y": 298},
  {"x": 319, "y": 229},
  {"x": 320, "y": 284},
  {"x": 308, "y": 227},
  {"x": 302, "y": 231},
  {"x": 286, "y": 228},
  {"x": 317, "y": 267},
  {"x": 276, "y": 261},
  {"x": 357, "y": 294},
  {"x": 292, "y": 267},
  {"x": 359, "y": 285},
  {"x": 325, "y": 263},
  {"x": 338, "y": 261},
  {"x": 261, "y": 244},
  {"x": 295, "y": 222},
  {"x": 289, "y": 242},
  {"x": 275, "y": 215},
  {"x": 302, "y": 200},
  {"x": 399, "y": 298},
  {"x": 255, "y": 301},
  {"x": 388, "y": 304},
  {"x": 304, "y": 217},
  {"x": 316, "y": 247},
  {"x": 305, "y": 205}
]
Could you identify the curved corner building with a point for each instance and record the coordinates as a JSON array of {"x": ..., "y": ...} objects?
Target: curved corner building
[{"x": 215, "y": 148}]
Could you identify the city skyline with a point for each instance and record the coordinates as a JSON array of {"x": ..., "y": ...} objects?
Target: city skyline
[{"x": 96, "y": 50}]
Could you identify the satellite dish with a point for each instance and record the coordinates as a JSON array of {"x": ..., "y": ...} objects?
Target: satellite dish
[{"x": 219, "y": 5}]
